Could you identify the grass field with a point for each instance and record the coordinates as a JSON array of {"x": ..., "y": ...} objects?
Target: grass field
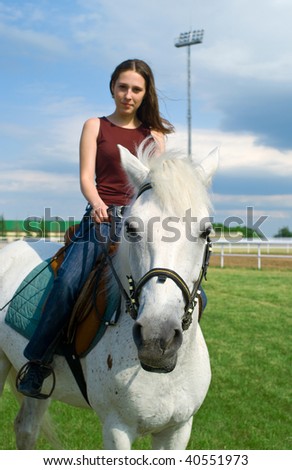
[{"x": 247, "y": 326}]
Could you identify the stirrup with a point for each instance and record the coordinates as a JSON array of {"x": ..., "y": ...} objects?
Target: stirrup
[{"x": 24, "y": 369}]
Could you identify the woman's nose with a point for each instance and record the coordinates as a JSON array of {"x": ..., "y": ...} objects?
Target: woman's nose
[{"x": 129, "y": 94}]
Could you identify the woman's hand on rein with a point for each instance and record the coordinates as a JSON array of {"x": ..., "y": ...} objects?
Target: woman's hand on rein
[{"x": 99, "y": 213}]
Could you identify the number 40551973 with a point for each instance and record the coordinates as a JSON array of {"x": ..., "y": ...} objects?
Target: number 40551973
[{"x": 214, "y": 459}]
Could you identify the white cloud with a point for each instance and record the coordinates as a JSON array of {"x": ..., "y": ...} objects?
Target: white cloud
[
  {"x": 37, "y": 182},
  {"x": 61, "y": 141},
  {"x": 12, "y": 130},
  {"x": 45, "y": 42},
  {"x": 238, "y": 152},
  {"x": 275, "y": 200},
  {"x": 241, "y": 60}
]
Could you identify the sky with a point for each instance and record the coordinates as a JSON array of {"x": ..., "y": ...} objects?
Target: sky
[{"x": 56, "y": 58}]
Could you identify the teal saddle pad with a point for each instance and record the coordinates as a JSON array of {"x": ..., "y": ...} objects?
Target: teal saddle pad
[
  {"x": 27, "y": 303},
  {"x": 26, "y": 306}
]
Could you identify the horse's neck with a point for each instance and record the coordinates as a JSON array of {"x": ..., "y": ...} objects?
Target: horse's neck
[
  {"x": 192, "y": 337},
  {"x": 121, "y": 265}
]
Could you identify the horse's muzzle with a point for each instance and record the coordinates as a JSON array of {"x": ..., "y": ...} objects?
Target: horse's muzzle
[{"x": 157, "y": 354}]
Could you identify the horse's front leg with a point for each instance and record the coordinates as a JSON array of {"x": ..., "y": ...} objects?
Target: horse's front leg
[
  {"x": 117, "y": 435},
  {"x": 28, "y": 422},
  {"x": 5, "y": 366},
  {"x": 173, "y": 438}
]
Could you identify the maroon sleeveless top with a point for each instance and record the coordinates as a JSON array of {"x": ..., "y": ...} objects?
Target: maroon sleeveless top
[{"x": 111, "y": 180}]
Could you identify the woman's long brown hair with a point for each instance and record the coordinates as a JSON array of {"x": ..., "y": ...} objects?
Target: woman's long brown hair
[{"x": 148, "y": 113}]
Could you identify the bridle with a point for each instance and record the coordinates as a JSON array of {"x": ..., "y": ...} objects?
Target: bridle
[{"x": 191, "y": 297}]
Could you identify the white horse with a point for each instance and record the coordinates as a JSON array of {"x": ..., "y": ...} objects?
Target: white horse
[{"x": 150, "y": 373}]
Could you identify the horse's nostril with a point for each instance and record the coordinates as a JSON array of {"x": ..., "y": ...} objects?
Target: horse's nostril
[
  {"x": 177, "y": 339},
  {"x": 172, "y": 340},
  {"x": 177, "y": 333}
]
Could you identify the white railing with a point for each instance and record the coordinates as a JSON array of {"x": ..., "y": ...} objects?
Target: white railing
[{"x": 274, "y": 248}]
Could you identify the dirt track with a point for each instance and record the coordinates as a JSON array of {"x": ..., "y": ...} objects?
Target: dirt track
[{"x": 252, "y": 262}]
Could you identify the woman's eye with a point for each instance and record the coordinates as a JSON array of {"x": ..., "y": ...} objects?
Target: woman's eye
[{"x": 137, "y": 90}]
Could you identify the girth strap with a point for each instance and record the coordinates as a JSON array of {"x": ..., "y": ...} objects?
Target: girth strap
[{"x": 74, "y": 363}]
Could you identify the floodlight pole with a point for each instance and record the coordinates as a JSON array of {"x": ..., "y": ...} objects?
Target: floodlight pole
[{"x": 188, "y": 39}]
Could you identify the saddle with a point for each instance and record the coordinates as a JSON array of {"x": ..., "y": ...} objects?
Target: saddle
[{"x": 90, "y": 308}]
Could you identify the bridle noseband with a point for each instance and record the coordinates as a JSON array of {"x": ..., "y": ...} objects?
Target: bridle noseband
[{"x": 190, "y": 297}]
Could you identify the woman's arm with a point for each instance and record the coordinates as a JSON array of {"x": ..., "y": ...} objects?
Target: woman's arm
[{"x": 88, "y": 148}]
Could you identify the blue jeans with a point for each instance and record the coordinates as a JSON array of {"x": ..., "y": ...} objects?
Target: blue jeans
[{"x": 80, "y": 259}]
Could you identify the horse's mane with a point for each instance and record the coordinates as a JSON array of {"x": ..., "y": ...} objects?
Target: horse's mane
[
  {"x": 177, "y": 184},
  {"x": 177, "y": 181}
]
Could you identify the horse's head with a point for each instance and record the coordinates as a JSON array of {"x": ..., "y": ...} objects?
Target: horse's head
[{"x": 163, "y": 248}]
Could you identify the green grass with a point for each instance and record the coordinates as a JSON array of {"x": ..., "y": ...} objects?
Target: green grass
[{"x": 247, "y": 326}]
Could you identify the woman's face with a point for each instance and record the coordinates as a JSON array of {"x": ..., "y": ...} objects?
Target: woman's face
[{"x": 128, "y": 92}]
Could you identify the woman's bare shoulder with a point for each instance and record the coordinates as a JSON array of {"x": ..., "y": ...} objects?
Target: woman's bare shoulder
[{"x": 92, "y": 123}]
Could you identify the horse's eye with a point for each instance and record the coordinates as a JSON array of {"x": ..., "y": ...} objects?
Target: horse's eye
[
  {"x": 132, "y": 233},
  {"x": 206, "y": 232}
]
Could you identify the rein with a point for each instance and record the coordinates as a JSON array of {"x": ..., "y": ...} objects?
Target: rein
[{"x": 190, "y": 297}]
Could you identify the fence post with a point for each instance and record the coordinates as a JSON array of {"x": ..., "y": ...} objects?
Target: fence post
[
  {"x": 222, "y": 256},
  {"x": 259, "y": 256}
]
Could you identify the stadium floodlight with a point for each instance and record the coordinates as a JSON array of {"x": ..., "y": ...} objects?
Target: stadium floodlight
[{"x": 188, "y": 39}]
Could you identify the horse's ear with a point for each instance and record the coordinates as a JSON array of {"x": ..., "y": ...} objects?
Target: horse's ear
[
  {"x": 136, "y": 171},
  {"x": 209, "y": 165}
]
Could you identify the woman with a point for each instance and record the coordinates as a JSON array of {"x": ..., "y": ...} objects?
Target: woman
[{"x": 104, "y": 185}]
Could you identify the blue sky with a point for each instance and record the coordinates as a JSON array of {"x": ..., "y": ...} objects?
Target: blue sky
[{"x": 56, "y": 59}]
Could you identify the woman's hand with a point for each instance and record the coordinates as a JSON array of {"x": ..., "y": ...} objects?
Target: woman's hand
[{"x": 99, "y": 213}]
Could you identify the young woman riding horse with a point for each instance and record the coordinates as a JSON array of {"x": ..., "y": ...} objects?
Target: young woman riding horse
[{"x": 104, "y": 185}]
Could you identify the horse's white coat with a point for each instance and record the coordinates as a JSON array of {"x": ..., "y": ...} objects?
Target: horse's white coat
[{"x": 129, "y": 400}]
